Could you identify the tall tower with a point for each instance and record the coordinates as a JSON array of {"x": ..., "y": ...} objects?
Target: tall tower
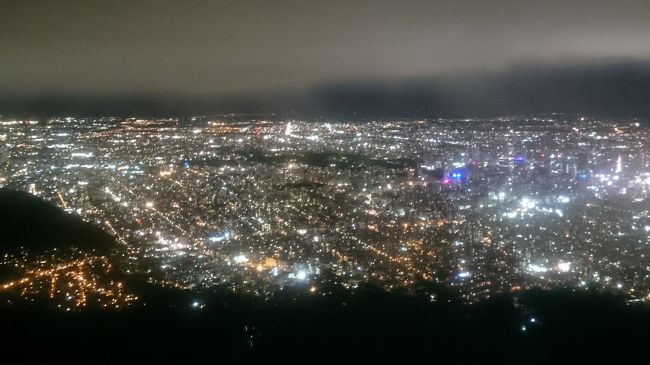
[
  {"x": 4, "y": 159},
  {"x": 4, "y": 151}
]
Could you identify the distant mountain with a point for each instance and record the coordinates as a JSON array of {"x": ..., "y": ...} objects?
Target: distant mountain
[
  {"x": 29, "y": 222},
  {"x": 607, "y": 89}
]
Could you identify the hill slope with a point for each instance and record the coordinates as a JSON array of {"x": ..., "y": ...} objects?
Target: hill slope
[{"x": 29, "y": 222}]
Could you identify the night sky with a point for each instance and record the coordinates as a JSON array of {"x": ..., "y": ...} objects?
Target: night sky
[{"x": 201, "y": 48}]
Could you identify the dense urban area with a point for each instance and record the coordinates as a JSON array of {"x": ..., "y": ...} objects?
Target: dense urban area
[{"x": 255, "y": 205}]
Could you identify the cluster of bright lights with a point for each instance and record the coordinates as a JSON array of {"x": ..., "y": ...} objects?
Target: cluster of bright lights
[
  {"x": 561, "y": 267},
  {"x": 74, "y": 284},
  {"x": 240, "y": 259}
]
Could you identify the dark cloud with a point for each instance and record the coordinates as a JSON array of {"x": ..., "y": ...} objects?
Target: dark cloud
[
  {"x": 203, "y": 48},
  {"x": 599, "y": 89}
]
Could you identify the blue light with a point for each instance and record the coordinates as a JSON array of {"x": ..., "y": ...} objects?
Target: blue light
[
  {"x": 457, "y": 174},
  {"x": 519, "y": 159},
  {"x": 582, "y": 175}
]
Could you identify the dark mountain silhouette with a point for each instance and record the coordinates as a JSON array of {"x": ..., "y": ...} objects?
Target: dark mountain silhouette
[
  {"x": 619, "y": 89},
  {"x": 606, "y": 89},
  {"x": 36, "y": 225}
]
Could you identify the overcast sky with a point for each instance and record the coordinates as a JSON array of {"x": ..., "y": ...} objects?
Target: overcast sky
[{"x": 210, "y": 47}]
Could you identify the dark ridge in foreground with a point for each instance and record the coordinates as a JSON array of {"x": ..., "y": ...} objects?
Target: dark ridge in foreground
[
  {"x": 36, "y": 225},
  {"x": 344, "y": 326}
]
